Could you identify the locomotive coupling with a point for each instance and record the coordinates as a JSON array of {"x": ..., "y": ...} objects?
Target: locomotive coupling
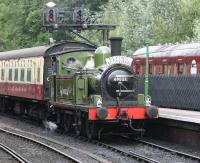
[{"x": 152, "y": 111}]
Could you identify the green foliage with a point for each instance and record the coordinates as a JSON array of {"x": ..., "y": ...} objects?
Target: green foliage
[
  {"x": 139, "y": 21},
  {"x": 21, "y": 21},
  {"x": 154, "y": 21}
]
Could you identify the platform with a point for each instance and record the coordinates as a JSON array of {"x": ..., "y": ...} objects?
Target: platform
[{"x": 180, "y": 115}]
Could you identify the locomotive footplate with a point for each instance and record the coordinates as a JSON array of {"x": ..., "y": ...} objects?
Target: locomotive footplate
[{"x": 125, "y": 113}]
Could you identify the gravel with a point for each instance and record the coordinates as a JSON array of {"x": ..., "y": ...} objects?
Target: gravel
[
  {"x": 85, "y": 146},
  {"x": 31, "y": 151},
  {"x": 6, "y": 158},
  {"x": 100, "y": 151},
  {"x": 156, "y": 154}
]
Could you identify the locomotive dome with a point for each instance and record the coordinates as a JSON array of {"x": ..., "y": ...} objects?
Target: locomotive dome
[
  {"x": 101, "y": 54},
  {"x": 192, "y": 49},
  {"x": 102, "y": 50}
]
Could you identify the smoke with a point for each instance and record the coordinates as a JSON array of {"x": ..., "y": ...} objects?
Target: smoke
[{"x": 50, "y": 126}]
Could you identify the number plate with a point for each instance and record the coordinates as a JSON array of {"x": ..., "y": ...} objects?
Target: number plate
[{"x": 119, "y": 60}]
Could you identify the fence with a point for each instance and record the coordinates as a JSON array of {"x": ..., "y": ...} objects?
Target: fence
[{"x": 173, "y": 91}]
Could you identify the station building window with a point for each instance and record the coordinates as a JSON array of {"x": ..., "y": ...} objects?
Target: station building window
[
  {"x": 10, "y": 75},
  {"x": 28, "y": 74},
  {"x": 22, "y": 74},
  {"x": 16, "y": 74}
]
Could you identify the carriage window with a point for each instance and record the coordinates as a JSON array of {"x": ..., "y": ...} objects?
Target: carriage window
[
  {"x": 16, "y": 74},
  {"x": 137, "y": 69},
  {"x": 38, "y": 74},
  {"x": 159, "y": 69},
  {"x": 169, "y": 70},
  {"x": 175, "y": 69},
  {"x": 22, "y": 74},
  {"x": 165, "y": 68},
  {"x": 180, "y": 68},
  {"x": 28, "y": 74},
  {"x": 141, "y": 68},
  {"x": 2, "y": 74},
  {"x": 10, "y": 74},
  {"x": 151, "y": 69}
]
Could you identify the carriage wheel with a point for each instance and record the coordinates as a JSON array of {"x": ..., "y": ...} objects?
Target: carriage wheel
[
  {"x": 3, "y": 106},
  {"x": 18, "y": 109},
  {"x": 67, "y": 123},
  {"x": 91, "y": 130}
]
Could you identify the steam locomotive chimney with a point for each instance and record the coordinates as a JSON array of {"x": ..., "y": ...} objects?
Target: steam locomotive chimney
[{"x": 116, "y": 43}]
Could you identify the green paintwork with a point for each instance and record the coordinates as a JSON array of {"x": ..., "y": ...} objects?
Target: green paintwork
[
  {"x": 81, "y": 59},
  {"x": 146, "y": 83},
  {"x": 81, "y": 89},
  {"x": 77, "y": 84},
  {"x": 93, "y": 99},
  {"x": 72, "y": 79},
  {"x": 140, "y": 99},
  {"x": 101, "y": 54},
  {"x": 65, "y": 88}
]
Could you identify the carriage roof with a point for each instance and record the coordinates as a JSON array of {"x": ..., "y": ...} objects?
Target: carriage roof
[
  {"x": 46, "y": 50},
  {"x": 192, "y": 49},
  {"x": 24, "y": 53}
]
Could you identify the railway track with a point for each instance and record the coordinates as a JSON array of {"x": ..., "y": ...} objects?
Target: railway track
[
  {"x": 15, "y": 155},
  {"x": 174, "y": 152},
  {"x": 43, "y": 145},
  {"x": 61, "y": 145},
  {"x": 166, "y": 152},
  {"x": 132, "y": 155}
]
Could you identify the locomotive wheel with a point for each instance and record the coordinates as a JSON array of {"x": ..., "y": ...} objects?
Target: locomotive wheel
[
  {"x": 2, "y": 109},
  {"x": 78, "y": 124},
  {"x": 67, "y": 123},
  {"x": 91, "y": 130}
]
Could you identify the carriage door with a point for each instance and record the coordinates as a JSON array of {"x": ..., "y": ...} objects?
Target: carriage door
[
  {"x": 34, "y": 90},
  {"x": 53, "y": 84}
]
